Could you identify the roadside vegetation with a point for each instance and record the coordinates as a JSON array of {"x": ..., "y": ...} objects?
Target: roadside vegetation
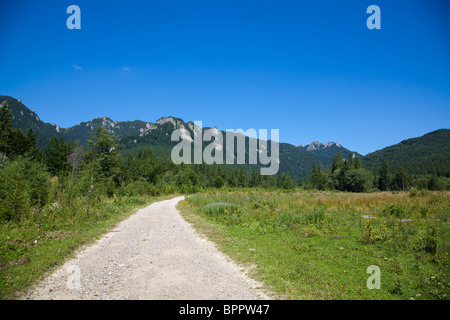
[
  {"x": 53, "y": 202},
  {"x": 41, "y": 241}
]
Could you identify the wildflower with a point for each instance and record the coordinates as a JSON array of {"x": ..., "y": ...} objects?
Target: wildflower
[{"x": 54, "y": 205}]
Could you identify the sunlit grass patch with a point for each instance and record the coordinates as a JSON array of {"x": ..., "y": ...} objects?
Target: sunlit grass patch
[{"x": 318, "y": 245}]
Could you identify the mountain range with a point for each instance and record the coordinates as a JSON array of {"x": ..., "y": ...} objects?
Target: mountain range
[{"x": 418, "y": 155}]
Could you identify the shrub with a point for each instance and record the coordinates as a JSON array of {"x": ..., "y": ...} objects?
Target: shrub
[
  {"x": 373, "y": 233},
  {"x": 3, "y": 160},
  {"x": 394, "y": 210},
  {"x": 428, "y": 242},
  {"x": 219, "y": 182},
  {"x": 358, "y": 180},
  {"x": 13, "y": 197},
  {"x": 135, "y": 188},
  {"x": 24, "y": 183}
]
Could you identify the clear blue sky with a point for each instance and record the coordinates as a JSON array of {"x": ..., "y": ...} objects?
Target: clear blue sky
[{"x": 311, "y": 69}]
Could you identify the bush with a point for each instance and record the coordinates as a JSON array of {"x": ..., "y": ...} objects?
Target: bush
[
  {"x": 427, "y": 242},
  {"x": 358, "y": 180},
  {"x": 373, "y": 233},
  {"x": 3, "y": 160},
  {"x": 24, "y": 183},
  {"x": 14, "y": 200},
  {"x": 394, "y": 210},
  {"x": 219, "y": 182}
]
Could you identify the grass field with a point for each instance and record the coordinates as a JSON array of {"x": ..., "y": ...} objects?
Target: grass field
[{"x": 319, "y": 245}]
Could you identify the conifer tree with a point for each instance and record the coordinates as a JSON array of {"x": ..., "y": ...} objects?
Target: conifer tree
[
  {"x": 350, "y": 160},
  {"x": 357, "y": 162},
  {"x": 399, "y": 182},
  {"x": 56, "y": 154},
  {"x": 433, "y": 183},
  {"x": 218, "y": 182},
  {"x": 384, "y": 181},
  {"x": 337, "y": 162},
  {"x": 317, "y": 178},
  {"x": 18, "y": 143},
  {"x": 32, "y": 147},
  {"x": 104, "y": 155},
  {"x": 5, "y": 127}
]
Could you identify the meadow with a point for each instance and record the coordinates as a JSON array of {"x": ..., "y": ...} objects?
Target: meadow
[{"x": 319, "y": 245}]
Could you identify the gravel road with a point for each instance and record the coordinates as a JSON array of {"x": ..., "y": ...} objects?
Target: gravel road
[{"x": 154, "y": 254}]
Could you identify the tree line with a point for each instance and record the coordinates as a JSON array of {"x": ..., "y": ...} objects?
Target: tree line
[
  {"x": 29, "y": 177},
  {"x": 350, "y": 175}
]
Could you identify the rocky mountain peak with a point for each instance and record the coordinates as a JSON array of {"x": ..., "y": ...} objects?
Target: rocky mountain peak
[{"x": 316, "y": 145}]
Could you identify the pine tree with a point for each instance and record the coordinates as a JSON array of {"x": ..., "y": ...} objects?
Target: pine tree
[
  {"x": 384, "y": 181},
  {"x": 337, "y": 162},
  {"x": 5, "y": 127},
  {"x": 218, "y": 182},
  {"x": 13, "y": 142},
  {"x": 18, "y": 143},
  {"x": 350, "y": 160},
  {"x": 104, "y": 155},
  {"x": 399, "y": 182},
  {"x": 357, "y": 162},
  {"x": 340, "y": 176},
  {"x": 56, "y": 154},
  {"x": 255, "y": 179},
  {"x": 433, "y": 183},
  {"x": 287, "y": 183},
  {"x": 32, "y": 148},
  {"x": 317, "y": 177},
  {"x": 242, "y": 179}
]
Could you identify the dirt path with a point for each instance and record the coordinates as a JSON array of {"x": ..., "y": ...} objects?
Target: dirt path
[{"x": 154, "y": 254}]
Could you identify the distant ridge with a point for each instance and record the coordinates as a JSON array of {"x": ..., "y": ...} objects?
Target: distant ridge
[
  {"x": 422, "y": 155},
  {"x": 425, "y": 154}
]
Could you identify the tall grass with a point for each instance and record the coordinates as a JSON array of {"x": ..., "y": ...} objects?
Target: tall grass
[{"x": 332, "y": 233}]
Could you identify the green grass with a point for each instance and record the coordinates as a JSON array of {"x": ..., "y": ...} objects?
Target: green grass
[
  {"x": 41, "y": 241},
  {"x": 316, "y": 245}
]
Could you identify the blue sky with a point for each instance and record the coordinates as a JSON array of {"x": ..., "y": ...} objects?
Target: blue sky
[{"x": 311, "y": 69}]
